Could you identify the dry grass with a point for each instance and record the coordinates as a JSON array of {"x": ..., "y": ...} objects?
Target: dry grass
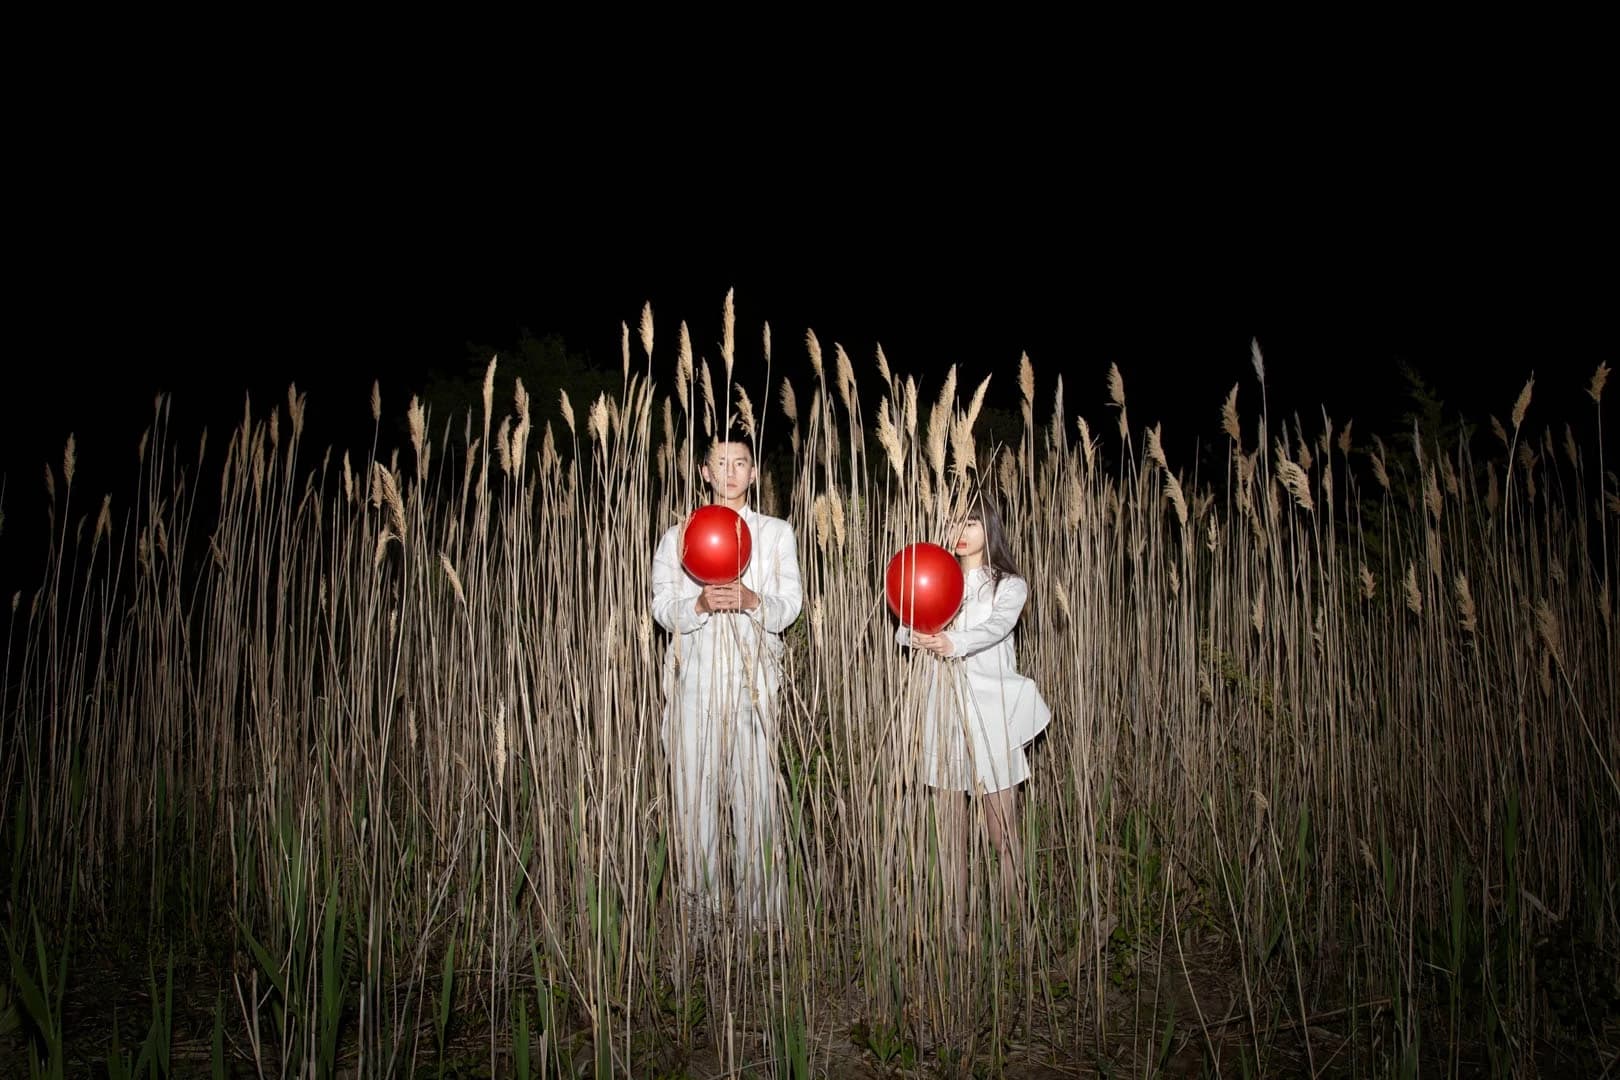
[{"x": 1327, "y": 767}]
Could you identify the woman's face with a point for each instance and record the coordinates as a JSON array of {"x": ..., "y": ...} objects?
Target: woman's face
[{"x": 967, "y": 540}]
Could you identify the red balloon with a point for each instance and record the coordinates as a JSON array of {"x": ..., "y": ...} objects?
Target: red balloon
[
  {"x": 717, "y": 545},
  {"x": 924, "y": 587}
]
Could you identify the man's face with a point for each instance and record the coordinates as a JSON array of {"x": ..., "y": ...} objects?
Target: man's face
[{"x": 729, "y": 470}]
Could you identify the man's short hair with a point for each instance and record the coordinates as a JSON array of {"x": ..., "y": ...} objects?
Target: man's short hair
[{"x": 735, "y": 438}]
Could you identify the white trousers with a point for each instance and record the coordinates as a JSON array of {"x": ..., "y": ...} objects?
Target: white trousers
[{"x": 723, "y": 770}]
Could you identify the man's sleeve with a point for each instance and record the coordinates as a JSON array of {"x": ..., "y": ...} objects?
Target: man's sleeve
[
  {"x": 779, "y": 608},
  {"x": 674, "y": 597}
]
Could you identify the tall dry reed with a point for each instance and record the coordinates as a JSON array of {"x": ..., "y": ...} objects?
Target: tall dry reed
[{"x": 1333, "y": 751}]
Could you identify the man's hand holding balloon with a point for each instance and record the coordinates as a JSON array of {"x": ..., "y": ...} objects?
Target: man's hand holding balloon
[{"x": 732, "y": 596}]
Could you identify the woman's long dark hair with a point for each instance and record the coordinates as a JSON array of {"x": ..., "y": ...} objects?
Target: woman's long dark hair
[{"x": 998, "y": 557}]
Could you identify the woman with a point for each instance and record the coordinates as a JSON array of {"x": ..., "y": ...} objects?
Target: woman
[{"x": 982, "y": 712}]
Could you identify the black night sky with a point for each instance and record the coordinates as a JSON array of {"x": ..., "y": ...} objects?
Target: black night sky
[{"x": 213, "y": 275}]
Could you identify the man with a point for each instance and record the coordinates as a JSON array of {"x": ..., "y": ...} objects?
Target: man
[{"x": 722, "y": 674}]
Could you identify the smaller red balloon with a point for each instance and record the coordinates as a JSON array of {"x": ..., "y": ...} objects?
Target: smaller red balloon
[
  {"x": 716, "y": 545},
  {"x": 923, "y": 585}
]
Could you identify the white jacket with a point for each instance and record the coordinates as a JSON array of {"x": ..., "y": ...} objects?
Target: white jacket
[
  {"x": 981, "y": 711},
  {"x": 722, "y": 662}
]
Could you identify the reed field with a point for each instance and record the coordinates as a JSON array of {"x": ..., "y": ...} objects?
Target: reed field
[{"x": 346, "y": 761}]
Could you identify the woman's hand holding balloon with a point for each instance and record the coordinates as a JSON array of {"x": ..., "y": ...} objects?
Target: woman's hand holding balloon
[{"x": 938, "y": 644}]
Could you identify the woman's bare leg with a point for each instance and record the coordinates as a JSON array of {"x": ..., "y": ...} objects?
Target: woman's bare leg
[
  {"x": 951, "y": 826},
  {"x": 1000, "y": 812}
]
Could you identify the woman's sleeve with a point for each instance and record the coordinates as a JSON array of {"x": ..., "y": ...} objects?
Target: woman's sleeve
[
  {"x": 674, "y": 604},
  {"x": 780, "y": 607},
  {"x": 1011, "y": 593}
]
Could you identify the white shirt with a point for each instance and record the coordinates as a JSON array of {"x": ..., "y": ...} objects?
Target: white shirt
[{"x": 723, "y": 660}]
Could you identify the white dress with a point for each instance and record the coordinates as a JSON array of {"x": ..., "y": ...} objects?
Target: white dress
[
  {"x": 981, "y": 712},
  {"x": 722, "y": 674}
]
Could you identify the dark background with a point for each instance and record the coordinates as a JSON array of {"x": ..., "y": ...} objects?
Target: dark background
[{"x": 234, "y": 255}]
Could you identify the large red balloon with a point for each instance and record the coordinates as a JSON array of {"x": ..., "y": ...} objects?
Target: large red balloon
[
  {"x": 717, "y": 545},
  {"x": 924, "y": 587}
]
